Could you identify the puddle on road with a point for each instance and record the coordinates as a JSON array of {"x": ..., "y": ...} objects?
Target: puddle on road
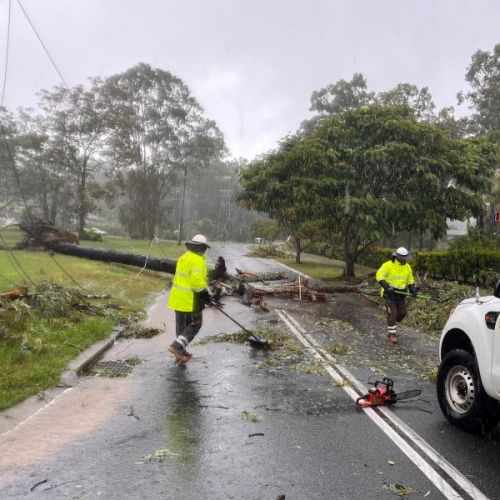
[{"x": 185, "y": 427}]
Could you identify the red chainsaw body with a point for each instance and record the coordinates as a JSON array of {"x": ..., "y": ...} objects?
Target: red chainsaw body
[{"x": 381, "y": 394}]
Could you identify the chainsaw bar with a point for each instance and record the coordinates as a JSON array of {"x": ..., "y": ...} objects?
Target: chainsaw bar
[{"x": 407, "y": 394}]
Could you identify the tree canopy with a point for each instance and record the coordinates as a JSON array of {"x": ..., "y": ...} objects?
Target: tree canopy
[
  {"x": 483, "y": 75},
  {"x": 368, "y": 172},
  {"x": 158, "y": 132}
]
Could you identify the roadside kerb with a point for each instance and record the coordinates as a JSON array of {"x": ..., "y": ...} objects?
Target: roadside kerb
[{"x": 83, "y": 363}]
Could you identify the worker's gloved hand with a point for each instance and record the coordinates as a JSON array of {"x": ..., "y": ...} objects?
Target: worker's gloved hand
[
  {"x": 384, "y": 284},
  {"x": 205, "y": 297},
  {"x": 413, "y": 290}
]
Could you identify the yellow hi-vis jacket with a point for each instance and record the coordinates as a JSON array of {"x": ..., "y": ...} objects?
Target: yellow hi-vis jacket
[
  {"x": 396, "y": 274},
  {"x": 190, "y": 277}
]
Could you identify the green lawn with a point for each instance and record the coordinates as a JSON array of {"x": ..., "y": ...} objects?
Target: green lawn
[
  {"x": 322, "y": 268},
  {"x": 24, "y": 373},
  {"x": 10, "y": 236},
  {"x": 33, "y": 356}
]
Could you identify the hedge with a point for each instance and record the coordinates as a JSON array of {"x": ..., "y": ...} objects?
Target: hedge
[{"x": 451, "y": 265}]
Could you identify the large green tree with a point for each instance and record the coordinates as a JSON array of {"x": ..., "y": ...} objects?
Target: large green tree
[
  {"x": 342, "y": 96},
  {"x": 158, "y": 136},
  {"x": 75, "y": 124},
  {"x": 370, "y": 172},
  {"x": 483, "y": 75},
  {"x": 284, "y": 184},
  {"x": 420, "y": 100},
  {"x": 8, "y": 132}
]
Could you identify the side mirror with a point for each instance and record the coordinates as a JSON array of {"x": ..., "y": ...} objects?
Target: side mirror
[{"x": 496, "y": 290}]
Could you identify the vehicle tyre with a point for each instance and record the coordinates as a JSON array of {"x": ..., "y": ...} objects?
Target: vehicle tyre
[{"x": 461, "y": 395}]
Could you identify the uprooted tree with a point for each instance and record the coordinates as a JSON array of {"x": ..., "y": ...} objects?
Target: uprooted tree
[{"x": 39, "y": 233}]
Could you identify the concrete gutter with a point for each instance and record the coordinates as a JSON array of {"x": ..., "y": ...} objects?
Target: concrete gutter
[{"x": 84, "y": 362}]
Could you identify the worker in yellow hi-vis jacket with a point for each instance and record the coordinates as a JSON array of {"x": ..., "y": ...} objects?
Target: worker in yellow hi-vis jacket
[
  {"x": 189, "y": 295},
  {"x": 396, "y": 277}
]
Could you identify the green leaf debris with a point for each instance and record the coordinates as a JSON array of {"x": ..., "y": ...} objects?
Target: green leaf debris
[
  {"x": 158, "y": 456},
  {"x": 251, "y": 416}
]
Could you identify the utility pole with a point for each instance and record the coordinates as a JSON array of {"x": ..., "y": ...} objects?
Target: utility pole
[
  {"x": 181, "y": 211},
  {"x": 225, "y": 195}
]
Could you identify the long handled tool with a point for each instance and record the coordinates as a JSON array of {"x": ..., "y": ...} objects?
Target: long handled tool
[
  {"x": 425, "y": 297},
  {"x": 257, "y": 342}
]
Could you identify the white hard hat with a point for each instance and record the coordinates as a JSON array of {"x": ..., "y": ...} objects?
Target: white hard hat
[
  {"x": 401, "y": 252},
  {"x": 199, "y": 239}
]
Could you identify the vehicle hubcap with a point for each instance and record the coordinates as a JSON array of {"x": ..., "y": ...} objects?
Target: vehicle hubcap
[{"x": 460, "y": 390}]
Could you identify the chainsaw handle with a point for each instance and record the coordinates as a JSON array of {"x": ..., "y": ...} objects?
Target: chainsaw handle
[{"x": 389, "y": 383}]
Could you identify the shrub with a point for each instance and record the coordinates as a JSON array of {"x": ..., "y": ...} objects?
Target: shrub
[
  {"x": 90, "y": 235},
  {"x": 459, "y": 264}
]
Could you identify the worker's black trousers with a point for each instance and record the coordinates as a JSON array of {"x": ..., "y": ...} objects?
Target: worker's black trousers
[
  {"x": 187, "y": 325},
  {"x": 395, "y": 310}
]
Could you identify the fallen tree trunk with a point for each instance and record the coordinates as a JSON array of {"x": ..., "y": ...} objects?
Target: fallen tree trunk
[
  {"x": 250, "y": 277},
  {"x": 337, "y": 288},
  {"x": 163, "y": 265},
  {"x": 287, "y": 290}
]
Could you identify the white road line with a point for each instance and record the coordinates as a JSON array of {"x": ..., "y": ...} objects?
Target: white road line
[
  {"x": 436, "y": 457},
  {"x": 33, "y": 415},
  {"x": 440, "y": 483}
]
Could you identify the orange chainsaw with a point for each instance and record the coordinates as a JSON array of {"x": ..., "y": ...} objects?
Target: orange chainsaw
[{"x": 382, "y": 394}]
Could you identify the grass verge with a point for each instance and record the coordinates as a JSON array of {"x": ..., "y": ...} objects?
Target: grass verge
[
  {"x": 25, "y": 372},
  {"x": 323, "y": 268},
  {"x": 35, "y": 345}
]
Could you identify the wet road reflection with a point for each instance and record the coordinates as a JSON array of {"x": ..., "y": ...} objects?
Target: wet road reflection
[{"x": 184, "y": 422}]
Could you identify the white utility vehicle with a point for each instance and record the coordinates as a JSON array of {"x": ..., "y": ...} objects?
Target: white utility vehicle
[{"x": 468, "y": 384}]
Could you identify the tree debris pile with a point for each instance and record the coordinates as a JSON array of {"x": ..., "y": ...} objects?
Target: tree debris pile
[
  {"x": 292, "y": 290},
  {"x": 47, "y": 300},
  {"x": 24, "y": 312},
  {"x": 275, "y": 337},
  {"x": 431, "y": 316},
  {"x": 284, "y": 349},
  {"x": 428, "y": 316},
  {"x": 41, "y": 233},
  {"x": 138, "y": 331},
  {"x": 253, "y": 287}
]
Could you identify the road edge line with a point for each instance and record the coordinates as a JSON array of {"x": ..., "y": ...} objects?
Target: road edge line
[
  {"x": 439, "y": 482},
  {"x": 418, "y": 440}
]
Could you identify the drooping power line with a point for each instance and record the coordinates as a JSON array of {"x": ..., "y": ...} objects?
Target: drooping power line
[
  {"x": 42, "y": 44},
  {"x": 6, "y": 56}
]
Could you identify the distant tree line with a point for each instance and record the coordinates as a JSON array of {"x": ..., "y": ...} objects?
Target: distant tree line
[
  {"x": 368, "y": 167},
  {"x": 136, "y": 147}
]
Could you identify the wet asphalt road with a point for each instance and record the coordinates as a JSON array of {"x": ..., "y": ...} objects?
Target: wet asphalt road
[{"x": 309, "y": 441}]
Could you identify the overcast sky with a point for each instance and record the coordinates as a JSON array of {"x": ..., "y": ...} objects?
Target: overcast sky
[{"x": 251, "y": 64}]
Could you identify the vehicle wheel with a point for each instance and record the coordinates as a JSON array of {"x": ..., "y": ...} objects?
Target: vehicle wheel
[{"x": 461, "y": 395}]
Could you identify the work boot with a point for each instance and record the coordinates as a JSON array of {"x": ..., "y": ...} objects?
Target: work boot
[
  {"x": 393, "y": 339},
  {"x": 181, "y": 355}
]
